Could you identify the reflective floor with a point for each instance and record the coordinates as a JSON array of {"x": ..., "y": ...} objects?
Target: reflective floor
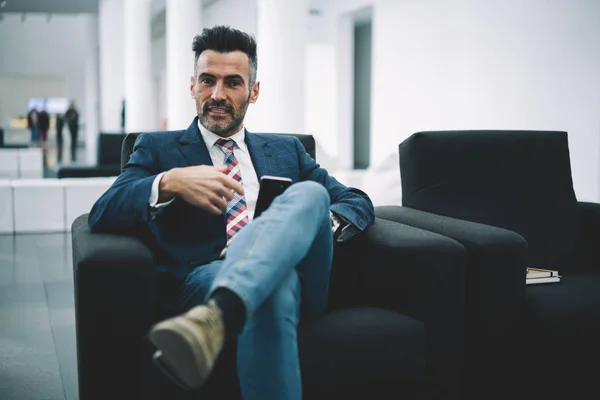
[{"x": 37, "y": 318}]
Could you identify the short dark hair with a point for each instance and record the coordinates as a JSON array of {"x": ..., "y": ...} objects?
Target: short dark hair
[{"x": 225, "y": 40}]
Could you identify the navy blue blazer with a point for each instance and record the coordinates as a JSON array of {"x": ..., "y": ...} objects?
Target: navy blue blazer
[{"x": 183, "y": 236}]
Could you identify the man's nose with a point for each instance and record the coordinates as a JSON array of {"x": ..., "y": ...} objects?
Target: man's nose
[{"x": 218, "y": 93}]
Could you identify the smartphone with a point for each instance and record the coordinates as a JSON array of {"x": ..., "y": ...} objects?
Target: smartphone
[{"x": 270, "y": 187}]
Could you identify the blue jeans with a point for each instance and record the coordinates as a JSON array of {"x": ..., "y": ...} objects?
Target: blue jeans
[
  {"x": 35, "y": 135},
  {"x": 276, "y": 264}
]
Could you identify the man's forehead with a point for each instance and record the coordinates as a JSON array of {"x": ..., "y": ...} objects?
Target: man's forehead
[{"x": 223, "y": 64}]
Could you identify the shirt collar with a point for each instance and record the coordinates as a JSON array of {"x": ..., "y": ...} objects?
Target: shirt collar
[{"x": 210, "y": 138}]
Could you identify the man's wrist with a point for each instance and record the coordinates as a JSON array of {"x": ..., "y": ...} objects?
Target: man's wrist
[{"x": 167, "y": 187}]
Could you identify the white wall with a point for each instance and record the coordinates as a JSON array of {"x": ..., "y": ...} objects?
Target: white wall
[
  {"x": 91, "y": 87},
  {"x": 494, "y": 64},
  {"x": 239, "y": 14},
  {"x": 111, "y": 20},
  {"x": 321, "y": 105},
  {"x": 39, "y": 49},
  {"x": 16, "y": 91},
  {"x": 330, "y": 78}
]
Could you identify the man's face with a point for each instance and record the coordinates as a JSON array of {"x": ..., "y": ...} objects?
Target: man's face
[{"x": 222, "y": 91}]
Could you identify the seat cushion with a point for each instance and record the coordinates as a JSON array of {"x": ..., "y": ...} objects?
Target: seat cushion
[
  {"x": 565, "y": 310},
  {"x": 352, "y": 353},
  {"x": 562, "y": 323},
  {"x": 352, "y": 350}
]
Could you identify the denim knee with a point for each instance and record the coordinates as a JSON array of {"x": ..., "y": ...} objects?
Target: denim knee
[{"x": 311, "y": 194}]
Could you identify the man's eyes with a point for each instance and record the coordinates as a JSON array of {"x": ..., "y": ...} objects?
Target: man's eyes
[{"x": 208, "y": 81}]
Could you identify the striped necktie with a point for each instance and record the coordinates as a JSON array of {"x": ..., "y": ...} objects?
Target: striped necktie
[{"x": 236, "y": 212}]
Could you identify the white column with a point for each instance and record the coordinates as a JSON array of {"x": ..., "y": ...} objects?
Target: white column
[
  {"x": 139, "y": 92},
  {"x": 183, "y": 22},
  {"x": 282, "y": 35},
  {"x": 90, "y": 113},
  {"x": 112, "y": 63}
]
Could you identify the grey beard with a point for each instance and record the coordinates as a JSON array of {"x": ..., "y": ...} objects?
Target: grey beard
[{"x": 218, "y": 128}]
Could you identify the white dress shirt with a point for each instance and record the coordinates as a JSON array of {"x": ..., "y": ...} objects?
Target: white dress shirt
[{"x": 217, "y": 155}]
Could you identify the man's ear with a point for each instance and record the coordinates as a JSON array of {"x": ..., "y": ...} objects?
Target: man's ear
[
  {"x": 192, "y": 83},
  {"x": 254, "y": 92}
]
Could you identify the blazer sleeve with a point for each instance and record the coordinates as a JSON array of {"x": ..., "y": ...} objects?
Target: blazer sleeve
[
  {"x": 124, "y": 206},
  {"x": 351, "y": 203}
]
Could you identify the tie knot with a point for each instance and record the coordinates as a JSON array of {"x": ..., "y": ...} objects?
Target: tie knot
[{"x": 227, "y": 144}]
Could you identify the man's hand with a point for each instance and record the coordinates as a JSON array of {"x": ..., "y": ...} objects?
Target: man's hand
[{"x": 203, "y": 186}]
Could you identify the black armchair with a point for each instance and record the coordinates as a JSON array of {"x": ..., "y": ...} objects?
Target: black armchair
[
  {"x": 394, "y": 325},
  {"x": 516, "y": 186}
]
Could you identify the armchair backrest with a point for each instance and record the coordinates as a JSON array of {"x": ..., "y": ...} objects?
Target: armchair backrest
[
  {"x": 517, "y": 180},
  {"x": 109, "y": 144},
  {"x": 308, "y": 141}
]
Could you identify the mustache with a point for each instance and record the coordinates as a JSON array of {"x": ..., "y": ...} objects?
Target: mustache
[{"x": 221, "y": 104}]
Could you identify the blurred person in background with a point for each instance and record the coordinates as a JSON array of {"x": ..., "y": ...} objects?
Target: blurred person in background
[
  {"x": 32, "y": 124},
  {"x": 59, "y": 125},
  {"x": 43, "y": 126},
  {"x": 72, "y": 119}
]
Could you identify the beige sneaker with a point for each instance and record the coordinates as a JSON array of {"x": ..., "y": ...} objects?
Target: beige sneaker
[{"x": 188, "y": 345}]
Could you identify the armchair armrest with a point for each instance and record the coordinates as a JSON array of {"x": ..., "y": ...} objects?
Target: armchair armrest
[
  {"x": 496, "y": 265},
  {"x": 420, "y": 274},
  {"x": 495, "y": 288},
  {"x": 409, "y": 269},
  {"x": 391, "y": 265},
  {"x": 114, "y": 281}
]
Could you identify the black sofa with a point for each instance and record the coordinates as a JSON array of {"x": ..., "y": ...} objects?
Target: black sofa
[
  {"x": 467, "y": 184},
  {"x": 108, "y": 163},
  {"x": 394, "y": 326}
]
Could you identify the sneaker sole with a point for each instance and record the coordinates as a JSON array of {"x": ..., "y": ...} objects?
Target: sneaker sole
[
  {"x": 166, "y": 370},
  {"x": 182, "y": 347}
]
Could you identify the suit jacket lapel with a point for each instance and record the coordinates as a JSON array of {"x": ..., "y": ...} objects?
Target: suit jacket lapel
[
  {"x": 260, "y": 153},
  {"x": 193, "y": 147},
  {"x": 195, "y": 152}
]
